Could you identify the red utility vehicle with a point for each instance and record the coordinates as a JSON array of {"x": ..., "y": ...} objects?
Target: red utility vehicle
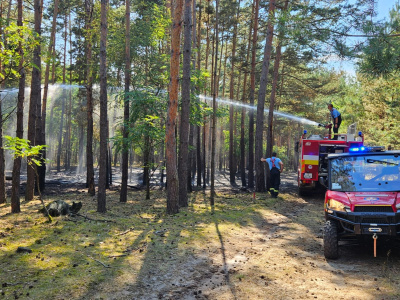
[
  {"x": 313, "y": 153},
  {"x": 362, "y": 197}
]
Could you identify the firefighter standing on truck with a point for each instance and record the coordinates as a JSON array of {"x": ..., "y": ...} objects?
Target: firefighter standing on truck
[
  {"x": 275, "y": 167},
  {"x": 337, "y": 120}
]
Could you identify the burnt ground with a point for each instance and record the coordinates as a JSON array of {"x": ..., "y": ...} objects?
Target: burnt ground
[{"x": 273, "y": 251}]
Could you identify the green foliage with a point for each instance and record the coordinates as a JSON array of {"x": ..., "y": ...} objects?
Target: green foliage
[
  {"x": 144, "y": 123},
  {"x": 15, "y": 37},
  {"x": 380, "y": 55},
  {"x": 22, "y": 148},
  {"x": 380, "y": 107}
]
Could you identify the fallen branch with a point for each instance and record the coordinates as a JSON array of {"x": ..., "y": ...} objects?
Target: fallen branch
[
  {"x": 115, "y": 256},
  {"x": 96, "y": 220},
  {"x": 129, "y": 251},
  {"x": 104, "y": 265},
  {"x": 6, "y": 284},
  {"x": 125, "y": 232},
  {"x": 71, "y": 220}
]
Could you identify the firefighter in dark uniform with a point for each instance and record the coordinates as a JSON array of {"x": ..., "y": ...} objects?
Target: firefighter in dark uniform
[
  {"x": 337, "y": 120},
  {"x": 275, "y": 167}
]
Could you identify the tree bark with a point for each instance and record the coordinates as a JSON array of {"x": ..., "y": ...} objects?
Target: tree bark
[
  {"x": 125, "y": 148},
  {"x": 64, "y": 97},
  {"x": 170, "y": 140},
  {"x": 192, "y": 160},
  {"x": 68, "y": 148},
  {"x": 2, "y": 158},
  {"x": 2, "y": 161},
  {"x": 270, "y": 137},
  {"x": 51, "y": 49},
  {"x": 214, "y": 116},
  {"x": 243, "y": 117},
  {"x": 16, "y": 173},
  {"x": 232, "y": 166},
  {"x": 275, "y": 78},
  {"x": 101, "y": 196},
  {"x": 89, "y": 100},
  {"x": 260, "y": 178},
  {"x": 198, "y": 127},
  {"x": 35, "y": 98},
  {"x": 183, "y": 158},
  {"x": 256, "y": 7}
]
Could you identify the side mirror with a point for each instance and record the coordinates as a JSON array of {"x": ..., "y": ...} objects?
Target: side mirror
[
  {"x": 296, "y": 147},
  {"x": 323, "y": 181}
]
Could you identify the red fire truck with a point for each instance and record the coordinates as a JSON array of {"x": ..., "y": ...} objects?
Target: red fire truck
[{"x": 313, "y": 153}]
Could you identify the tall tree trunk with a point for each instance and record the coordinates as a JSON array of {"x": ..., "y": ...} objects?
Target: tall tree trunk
[
  {"x": 225, "y": 62},
  {"x": 9, "y": 12},
  {"x": 147, "y": 163},
  {"x": 35, "y": 98},
  {"x": 89, "y": 99},
  {"x": 64, "y": 97},
  {"x": 170, "y": 140},
  {"x": 243, "y": 117},
  {"x": 198, "y": 127},
  {"x": 68, "y": 149},
  {"x": 2, "y": 159},
  {"x": 203, "y": 158},
  {"x": 275, "y": 78},
  {"x": 270, "y": 137},
  {"x": 198, "y": 154},
  {"x": 15, "y": 195},
  {"x": 1, "y": 45},
  {"x": 260, "y": 179},
  {"x": 214, "y": 116},
  {"x": 146, "y": 160},
  {"x": 192, "y": 162},
  {"x": 125, "y": 148},
  {"x": 183, "y": 158},
  {"x": 81, "y": 143},
  {"x": 256, "y": 7},
  {"x": 42, "y": 168},
  {"x": 101, "y": 195},
  {"x": 232, "y": 162},
  {"x": 207, "y": 43}
]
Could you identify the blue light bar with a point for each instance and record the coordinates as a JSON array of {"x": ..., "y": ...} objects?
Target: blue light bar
[
  {"x": 305, "y": 131},
  {"x": 357, "y": 149}
]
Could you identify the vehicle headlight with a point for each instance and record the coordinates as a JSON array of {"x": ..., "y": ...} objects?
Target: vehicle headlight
[
  {"x": 398, "y": 206},
  {"x": 336, "y": 205}
]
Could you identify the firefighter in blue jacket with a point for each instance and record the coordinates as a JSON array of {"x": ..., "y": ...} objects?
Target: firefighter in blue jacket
[
  {"x": 337, "y": 120},
  {"x": 275, "y": 167}
]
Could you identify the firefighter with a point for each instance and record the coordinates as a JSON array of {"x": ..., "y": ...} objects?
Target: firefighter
[
  {"x": 276, "y": 168},
  {"x": 337, "y": 120}
]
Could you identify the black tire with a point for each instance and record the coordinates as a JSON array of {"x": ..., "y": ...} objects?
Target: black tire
[
  {"x": 301, "y": 191},
  {"x": 331, "y": 247}
]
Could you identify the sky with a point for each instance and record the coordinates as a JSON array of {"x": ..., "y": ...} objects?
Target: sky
[{"x": 382, "y": 7}]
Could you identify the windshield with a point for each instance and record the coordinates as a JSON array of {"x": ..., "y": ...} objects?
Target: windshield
[{"x": 367, "y": 173}]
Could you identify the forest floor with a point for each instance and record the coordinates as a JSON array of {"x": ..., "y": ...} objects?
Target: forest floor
[{"x": 243, "y": 248}]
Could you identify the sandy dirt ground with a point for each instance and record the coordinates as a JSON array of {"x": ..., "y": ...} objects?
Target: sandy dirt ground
[{"x": 275, "y": 253}]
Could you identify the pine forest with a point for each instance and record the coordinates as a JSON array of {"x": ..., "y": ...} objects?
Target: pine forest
[{"x": 145, "y": 124}]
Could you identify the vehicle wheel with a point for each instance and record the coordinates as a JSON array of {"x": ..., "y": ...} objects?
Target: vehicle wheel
[
  {"x": 331, "y": 250},
  {"x": 301, "y": 191}
]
